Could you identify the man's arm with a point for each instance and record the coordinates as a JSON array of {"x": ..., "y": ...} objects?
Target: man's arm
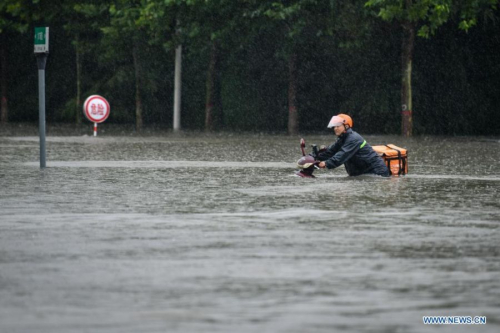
[
  {"x": 329, "y": 152},
  {"x": 343, "y": 154}
]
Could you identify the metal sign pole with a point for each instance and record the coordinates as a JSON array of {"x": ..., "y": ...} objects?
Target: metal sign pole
[
  {"x": 96, "y": 109},
  {"x": 177, "y": 88},
  {"x": 41, "y": 61},
  {"x": 41, "y": 52}
]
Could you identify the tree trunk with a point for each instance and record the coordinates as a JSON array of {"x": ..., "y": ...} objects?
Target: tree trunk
[
  {"x": 293, "y": 124},
  {"x": 4, "y": 108},
  {"x": 177, "y": 88},
  {"x": 406, "y": 67},
  {"x": 211, "y": 88},
  {"x": 138, "y": 80},
  {"x": 78, "y": 48}
]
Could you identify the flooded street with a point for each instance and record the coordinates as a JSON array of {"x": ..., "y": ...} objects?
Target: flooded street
[{"x": 214, "y": 233}]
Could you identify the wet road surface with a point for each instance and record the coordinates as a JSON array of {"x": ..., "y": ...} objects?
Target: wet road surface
[{"x": 214, "y": 233}]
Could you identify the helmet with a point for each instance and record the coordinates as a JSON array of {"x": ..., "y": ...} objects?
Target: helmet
[
  {"x": 340, "y": 119},
  {"x": 348, "y": 120}
]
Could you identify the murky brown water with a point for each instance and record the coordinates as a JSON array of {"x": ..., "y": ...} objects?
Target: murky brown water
[{"x": 200, "y": 233}]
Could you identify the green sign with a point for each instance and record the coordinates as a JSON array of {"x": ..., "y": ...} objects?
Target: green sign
[{"x": 42, "y": 40}]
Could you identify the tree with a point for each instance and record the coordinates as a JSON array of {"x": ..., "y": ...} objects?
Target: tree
[
  {"x": 163, "y": 20},
  {"x": 211, "y": 27},
  {"x": 14, "y": 18},
  {"x": 77, "y": 15},
  {"x": 424, "y": 17},
  {"x": 291, "y": 18},
  {"x": 212, "y": 32},
  {"x": 126, "y": 27}
]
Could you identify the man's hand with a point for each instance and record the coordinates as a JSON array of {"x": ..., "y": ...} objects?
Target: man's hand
[{"x": 322, "y": 165}]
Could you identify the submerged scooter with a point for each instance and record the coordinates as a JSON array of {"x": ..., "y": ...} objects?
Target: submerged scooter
[
  {"x": 396, "y": 159},
  {"x": 307, "y": 163}
]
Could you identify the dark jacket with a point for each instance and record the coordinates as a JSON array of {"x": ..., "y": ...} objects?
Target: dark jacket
[{"x": 356, "y": 154}]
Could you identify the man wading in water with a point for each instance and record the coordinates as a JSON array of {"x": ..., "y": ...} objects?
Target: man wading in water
[{"x": 351, "y": 150}]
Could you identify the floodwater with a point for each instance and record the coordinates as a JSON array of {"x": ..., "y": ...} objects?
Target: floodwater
[{"x": 214, "y": 233}]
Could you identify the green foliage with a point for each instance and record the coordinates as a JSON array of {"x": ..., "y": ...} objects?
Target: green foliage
[
  {"x": 17, "y": 15},
  {"x": 431, "y": 14},
  {"x": 347, "y": 51}
]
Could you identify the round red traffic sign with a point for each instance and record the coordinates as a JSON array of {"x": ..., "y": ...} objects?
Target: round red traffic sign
[{"x": 96, "y": 109}]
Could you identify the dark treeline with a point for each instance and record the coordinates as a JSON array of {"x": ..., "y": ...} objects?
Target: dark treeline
[{"x": 281, "y": 66}]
